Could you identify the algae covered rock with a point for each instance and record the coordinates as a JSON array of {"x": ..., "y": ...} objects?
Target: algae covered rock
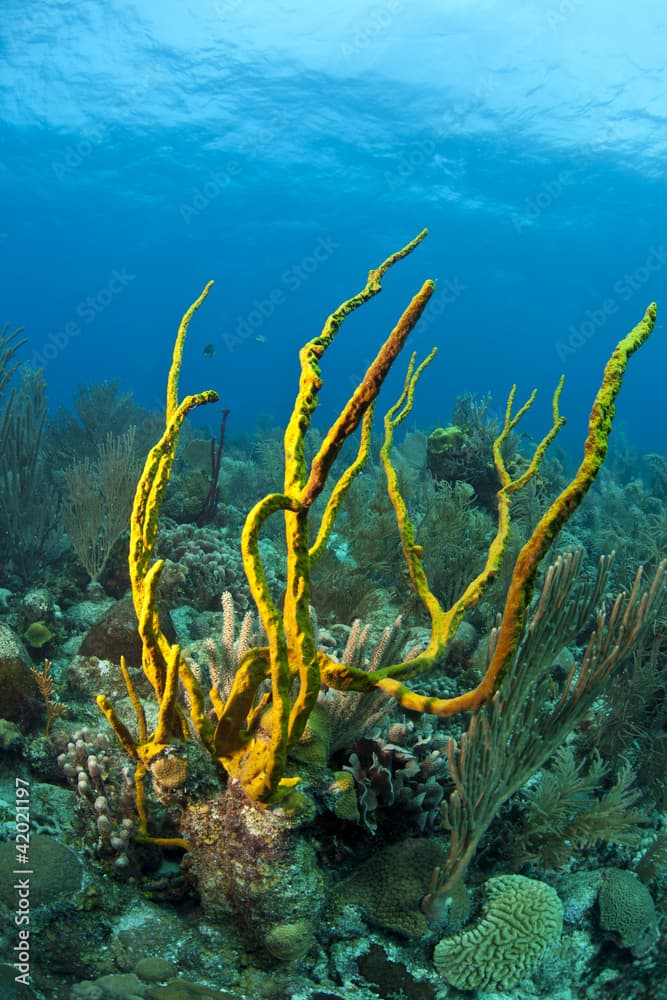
[
  {"x": 116, "y": 634},
  {"x": 261, "y": 864},
  {"x": 21, "y": 702},
  {"x": 57, "y": 873},
  {"x": 154, "y": 970}
]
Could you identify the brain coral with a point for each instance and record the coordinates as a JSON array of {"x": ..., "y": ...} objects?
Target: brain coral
[
  {"x": 628, "y": 911},
  {"x": 521, "y": 920},
  {"x": 390, "y": 885}
]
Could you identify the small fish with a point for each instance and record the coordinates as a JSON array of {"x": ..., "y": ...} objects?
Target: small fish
[
  {"x": 261, "y": 339},
  {"x": 209, "y": 351}
]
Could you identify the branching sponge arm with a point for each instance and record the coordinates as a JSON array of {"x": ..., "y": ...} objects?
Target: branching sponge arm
[
  {"x": 560, "y": 511},
  {"x": 391, "y": 679}
]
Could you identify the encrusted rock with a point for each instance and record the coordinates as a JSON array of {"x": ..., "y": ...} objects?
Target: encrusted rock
[
  {"x": 21, "y": 702},
  {"x": 116, "y": 634},
  {"x": 260, "y": 862}
]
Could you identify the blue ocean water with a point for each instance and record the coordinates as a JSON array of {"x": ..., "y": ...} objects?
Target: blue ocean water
[{"x": 284, "y": 149}]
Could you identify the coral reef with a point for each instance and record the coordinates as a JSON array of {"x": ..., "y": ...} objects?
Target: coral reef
[{"x": 295, "y": 799}]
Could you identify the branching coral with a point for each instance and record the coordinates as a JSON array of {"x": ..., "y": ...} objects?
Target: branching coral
[
  {"x": 528, "y": 718},
  {"x": 26, "y": 521},
  {"x": 99, "y": 500},
  {"x": 569, "y": 809}
]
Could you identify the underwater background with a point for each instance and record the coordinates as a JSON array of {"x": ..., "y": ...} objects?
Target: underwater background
[
  {"x": 282, "y": 151},
  {"x": 242, "y": 142}
]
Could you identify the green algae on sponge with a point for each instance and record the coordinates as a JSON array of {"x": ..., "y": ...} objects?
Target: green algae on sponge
[
  {"x": 627, "y": 911},
  {"x": 521, "y": 920}
]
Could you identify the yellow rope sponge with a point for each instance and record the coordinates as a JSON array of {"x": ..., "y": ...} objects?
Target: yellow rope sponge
[{"x": 250, "y": 740}]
